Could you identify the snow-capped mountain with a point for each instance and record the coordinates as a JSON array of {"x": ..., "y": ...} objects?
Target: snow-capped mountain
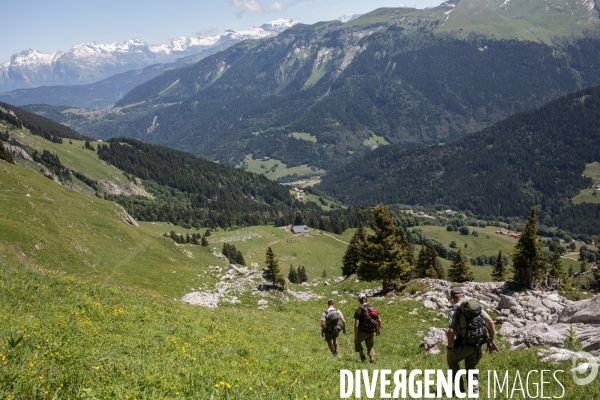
[
  {"x": 348, "y": 18},
  {"x": 90, "y": 62}
]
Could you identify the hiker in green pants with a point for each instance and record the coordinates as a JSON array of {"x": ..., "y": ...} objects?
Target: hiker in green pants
[{"x": 469, "y": 328}]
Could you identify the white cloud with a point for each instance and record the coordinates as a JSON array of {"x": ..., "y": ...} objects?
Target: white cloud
[
  {"x": 276, "y": 6},
  {"x": 256, "y": 7}
]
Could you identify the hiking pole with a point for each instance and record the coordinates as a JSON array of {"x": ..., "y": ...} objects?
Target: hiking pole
[{"x": 348, "y": 339}]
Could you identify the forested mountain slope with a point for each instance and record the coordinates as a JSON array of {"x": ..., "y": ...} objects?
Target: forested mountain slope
[
  {"x": 530, "y": 159},
  {"x": 175, "y": 187},
  {"x": 387, "y": 76}
]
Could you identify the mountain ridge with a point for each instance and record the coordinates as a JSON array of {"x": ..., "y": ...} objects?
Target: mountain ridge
[
  {"x": 535, "y": 158},
  {"x": 90, "y": 62}
]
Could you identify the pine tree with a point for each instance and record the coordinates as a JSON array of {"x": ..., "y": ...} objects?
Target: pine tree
[
  {"x": 434, "y": 263},
  {"x": 271, "y": 272},
  {"x": 499, "y": 270},
  {"x": 384, "y": 256},
  {"x": 555, "y": 270},
  {"x": 421, "y": 264},
  {"x": 528, "y": 259},
  {"x": 302, "y": 277},
  {"x": 324, "y": 274},
  {"x": 207, "y": 233},
  {"x": 204, "y": 241},
  {"x": 428, "y": 263},
  {"x": 293, "y": 275},
  {"x": 571, "y": 271},
  {"x": 239, "y": 258},
  {"x": 459, "y": 271},
  {"x": 583, "y": 266},
  {"x": 351, "y": 257}
]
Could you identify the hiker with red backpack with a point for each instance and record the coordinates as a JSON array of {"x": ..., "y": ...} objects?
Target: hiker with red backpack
[
  {"x": 331, "y": 326},
  {"x": 367, "y": 324},
  {"x": 470, "y": 327}
]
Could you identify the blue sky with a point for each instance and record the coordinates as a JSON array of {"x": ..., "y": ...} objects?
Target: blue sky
[{"x": 60, "y": 24}]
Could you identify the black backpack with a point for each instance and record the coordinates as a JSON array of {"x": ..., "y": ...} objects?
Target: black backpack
[
  {"x": 332, "y": 321},
  {"x": 471, "y": 328}
]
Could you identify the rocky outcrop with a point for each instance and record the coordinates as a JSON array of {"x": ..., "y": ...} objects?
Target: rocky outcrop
[
  {"x": 210, "y": 300},
  {"x": 585, "y": 311},
  {"x": 128, "y": 219},
  {"x": 17, "y": 151},
  {"x": 527, "y": 318},
  {"x": 127, "y": 189}
]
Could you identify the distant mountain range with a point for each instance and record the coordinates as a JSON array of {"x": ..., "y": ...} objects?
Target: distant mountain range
[
  {"x": 91, "y": 62},
  {"x": 324, "y": 94}
]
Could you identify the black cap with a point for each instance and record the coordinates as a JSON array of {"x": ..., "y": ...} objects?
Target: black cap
[
  {"x": 330, "y": 302},
  {"x": 455, "y": 291}
]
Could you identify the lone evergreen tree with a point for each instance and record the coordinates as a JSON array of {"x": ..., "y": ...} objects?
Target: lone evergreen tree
[
  {"x": 528, "y": 259},
  {"x": 499, "y": 270},
  {"x": 583, "y": 266},
  {"x": 324, "y": 274},
  {"x": 293, "y": 275},
  {"x": 204, "y": 241},
  {"x": 459, "y": 271},
  {"x": 428, "y": 263},
  {"x": 207, "y": 233},
  {"x": 302, "y": 277},
  {"x": 351, "y": 257},
  {"x": 384, "y": 256},
  {"x": 271, "y": 272}
]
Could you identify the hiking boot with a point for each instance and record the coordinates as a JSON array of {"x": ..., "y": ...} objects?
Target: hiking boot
[
  {"x": 373, "y": 362},
  {"x": 335, "y": 354},
  {"x": 363, "y": 359}
]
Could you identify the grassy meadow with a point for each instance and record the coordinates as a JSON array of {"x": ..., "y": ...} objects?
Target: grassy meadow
[
  {"x": 275, "y": 169},
  {"x": 86, "y": 339}
]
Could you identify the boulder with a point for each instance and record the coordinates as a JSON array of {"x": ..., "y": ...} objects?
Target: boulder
[
  {"x": 507, "y": 303},
  {"x": 538, "y": 334},
  {"x": 584, "y": 311},
  {"x": 430, "y": 304},
  {"x": 434, "y": 337},
  {"x": 553, "y": 305},
  {"x": 507, "y": 330},
  {"x": 262, "y": 302},
  {"x": 535, "y": 303},
  {"x": 210, "y": 300},
  {"x": 334, "y": 292}
]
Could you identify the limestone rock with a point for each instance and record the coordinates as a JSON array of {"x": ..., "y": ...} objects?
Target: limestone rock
[
  {"x": 210, "y": 300},
  {"x": 507, "y": 330},
  {"x": 263, "y": 302},
  {"x": 434, "y": 337},
  {"x": 584, "y": 311},
  {"x": 539, "y": 334}
]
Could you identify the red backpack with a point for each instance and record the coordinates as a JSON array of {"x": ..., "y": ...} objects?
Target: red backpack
[{"x": 369, "y": 321}]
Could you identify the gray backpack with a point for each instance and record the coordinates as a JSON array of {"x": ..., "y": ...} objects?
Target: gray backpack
[
  {"x": 471, "y": 328},
  {"x": 332, "y": 321}
]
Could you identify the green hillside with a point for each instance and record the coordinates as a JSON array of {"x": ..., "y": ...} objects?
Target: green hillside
[
  {"x": 526, "y": 20},
  {"x": 534, "y": 158},
  {"x": 393, "y": 75}
]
